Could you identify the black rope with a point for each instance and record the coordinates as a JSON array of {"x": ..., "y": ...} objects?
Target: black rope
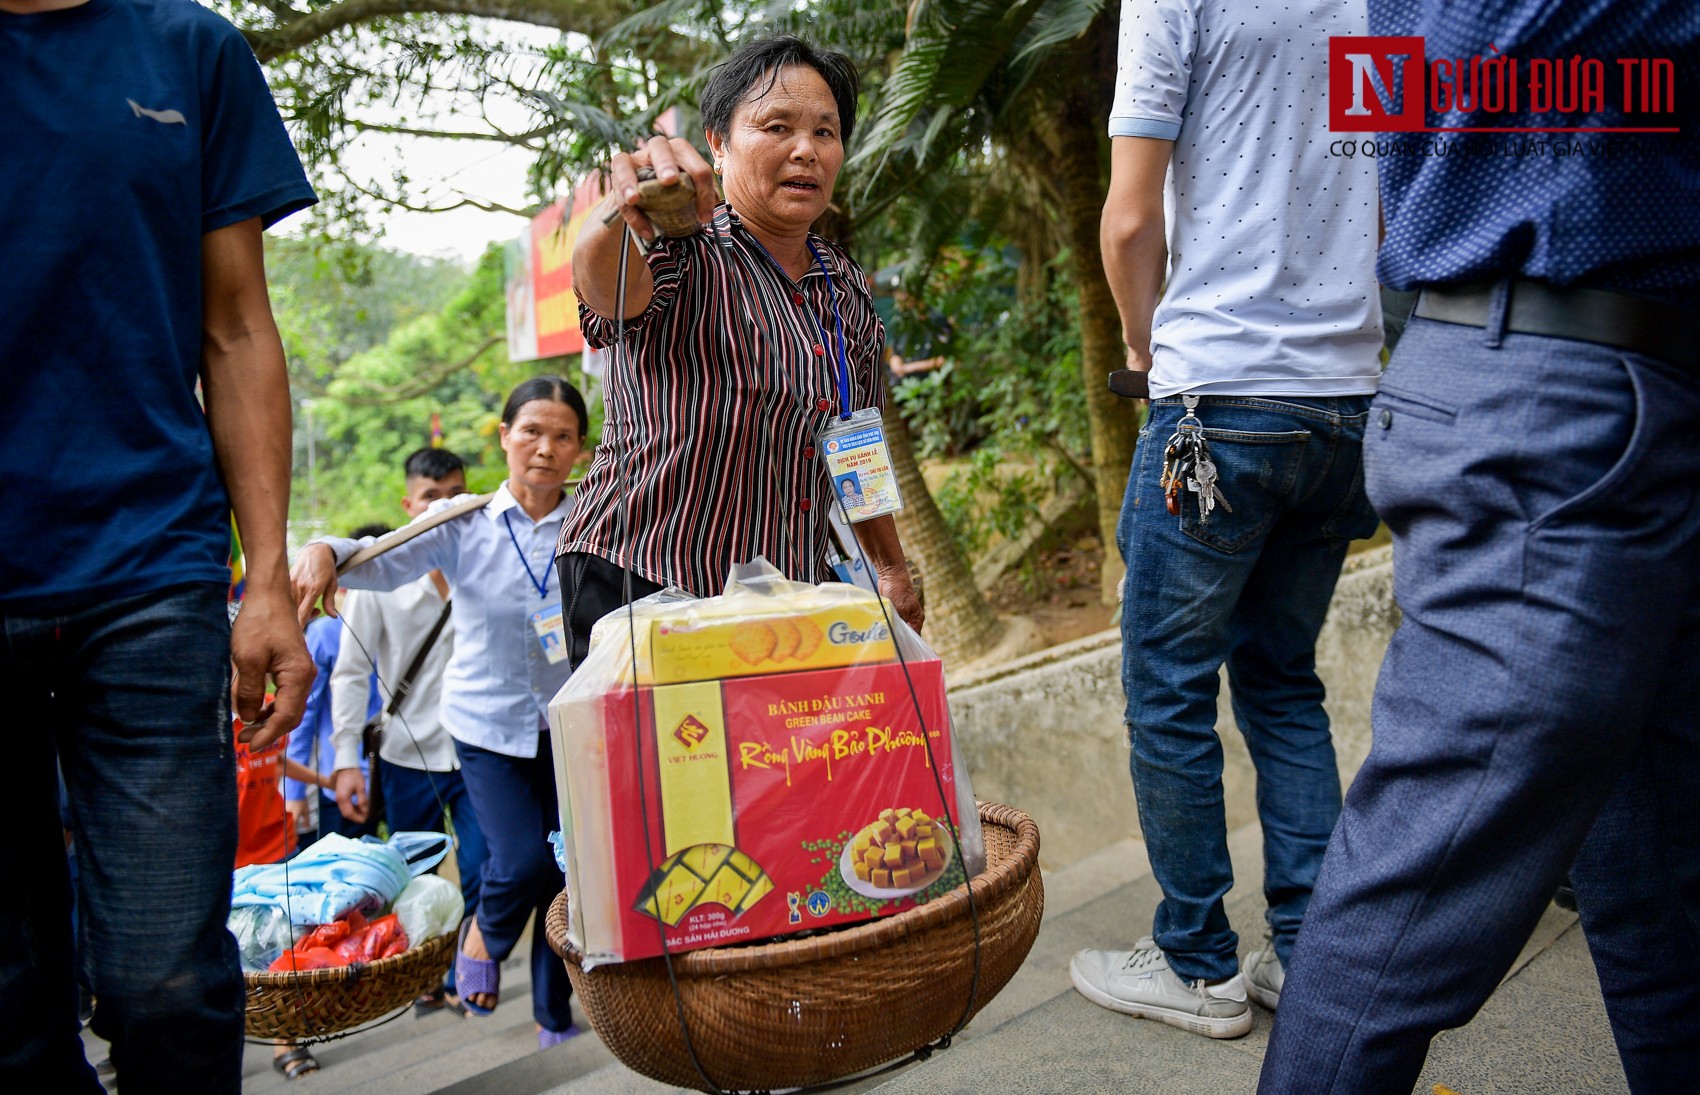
[
  {"x": 626, "y": 240},
  {"x": 424, "y": 765},
  {"x": 292, "y": 976},
  {"x": 938, "y": 783}
]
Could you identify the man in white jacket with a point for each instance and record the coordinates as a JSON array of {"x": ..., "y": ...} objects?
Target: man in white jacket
[{"x": 419, "y": 771}]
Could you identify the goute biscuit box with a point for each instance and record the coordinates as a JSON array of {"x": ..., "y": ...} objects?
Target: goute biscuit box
[
  {"x": 819, "y": 628},
  {"x": 776, "y": 801}
]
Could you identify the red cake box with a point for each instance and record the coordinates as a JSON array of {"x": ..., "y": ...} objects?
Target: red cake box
[
  {"x": 735, "y": 768},
  {"x": 769, "y": 800}
]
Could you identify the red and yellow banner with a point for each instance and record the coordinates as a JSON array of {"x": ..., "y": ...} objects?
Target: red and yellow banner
[{"x": 542, "y": 310}]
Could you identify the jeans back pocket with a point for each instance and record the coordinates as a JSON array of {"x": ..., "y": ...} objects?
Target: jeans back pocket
[{"x": 1256, "y": 471}]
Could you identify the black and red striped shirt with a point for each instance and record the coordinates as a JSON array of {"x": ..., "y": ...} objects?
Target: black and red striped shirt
[{"x": 730, "y": 374}]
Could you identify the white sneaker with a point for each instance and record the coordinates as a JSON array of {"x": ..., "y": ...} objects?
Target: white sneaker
[
  {"x": 1139, "y": 982},
  {"x": 1265, "y": 976}
]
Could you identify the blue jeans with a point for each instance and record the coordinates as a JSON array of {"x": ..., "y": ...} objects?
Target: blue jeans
[
  {"x": 1537, "y": 707},
  {"x": 132, "y": 697},
  {"x": 515, "y": 801},
  {"x": 332, "y": 821},
  {"x": 415, "y": 800},
  {"x": 1249, "y": 588},
  {"x": 419, "y": 801}
]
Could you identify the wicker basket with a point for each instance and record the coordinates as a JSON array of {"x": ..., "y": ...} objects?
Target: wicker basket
[
  {"x": 790, "y": 1014},
  {"x": 311, "y": 1003}
]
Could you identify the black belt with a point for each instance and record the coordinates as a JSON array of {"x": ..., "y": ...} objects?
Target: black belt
[{"x": 1626, "y": 322}]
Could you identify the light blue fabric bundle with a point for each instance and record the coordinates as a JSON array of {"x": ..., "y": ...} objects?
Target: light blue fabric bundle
[{"x": 337, "y": 874}]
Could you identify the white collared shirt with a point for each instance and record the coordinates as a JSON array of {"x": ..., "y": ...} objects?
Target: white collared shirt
[
  {"x": 498, "y": 682},
  {"x": 391, "y": 627}
]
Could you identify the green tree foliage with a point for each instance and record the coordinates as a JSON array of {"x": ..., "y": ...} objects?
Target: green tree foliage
[
  {"x": 377, "y": 404},
  {"x": 1008, "y": 398},
  {"x": 1010, "y": 383},
  {"x": 333, "y": 301},
  {"x": 1033, "y": 80}
]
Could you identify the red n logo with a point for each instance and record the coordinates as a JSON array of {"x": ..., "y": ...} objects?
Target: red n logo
[{"x": 1375, "y": 84}]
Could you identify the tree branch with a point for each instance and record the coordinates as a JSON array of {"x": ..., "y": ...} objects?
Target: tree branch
[
  {"x": 588, "y": 17},
  {"x": 1079, "y": 469},
  {"x": 466, "y": 201},
  {"x": 456, "y": 135}
]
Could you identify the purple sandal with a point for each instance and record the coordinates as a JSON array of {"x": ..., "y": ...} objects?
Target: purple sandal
[
  {"x": 475, "y": 976},
  {"x": 548, "y": 1038}
]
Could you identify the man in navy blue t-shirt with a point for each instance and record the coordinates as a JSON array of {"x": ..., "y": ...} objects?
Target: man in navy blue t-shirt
[{"x": 143, "y": 155}]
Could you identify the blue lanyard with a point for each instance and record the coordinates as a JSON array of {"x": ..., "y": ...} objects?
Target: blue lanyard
[
  {"x": 837, "y": 321},
  {"x": 543, "y": 586},
  {"x": 838, "y": 325}
]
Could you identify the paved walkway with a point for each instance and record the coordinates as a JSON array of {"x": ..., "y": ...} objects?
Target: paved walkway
[{"x": 1543, "y": 1032}]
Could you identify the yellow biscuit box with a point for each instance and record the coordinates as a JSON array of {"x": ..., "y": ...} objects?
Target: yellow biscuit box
[{"x": 823, "y": 628}]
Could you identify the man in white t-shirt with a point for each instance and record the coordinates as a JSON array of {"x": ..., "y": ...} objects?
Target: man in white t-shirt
[
  {"x": 1266, "y": 343},
  {"x": 419, "y": 770}
]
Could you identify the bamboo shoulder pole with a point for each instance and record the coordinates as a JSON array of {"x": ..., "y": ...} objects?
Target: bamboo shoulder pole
[{"x": 393, "y": 540}]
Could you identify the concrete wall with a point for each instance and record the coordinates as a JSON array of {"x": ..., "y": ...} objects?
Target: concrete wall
[{"x": 1045, "y": 733}]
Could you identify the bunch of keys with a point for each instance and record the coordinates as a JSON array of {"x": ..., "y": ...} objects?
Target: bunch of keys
[{"x": 1187, "y": 465}]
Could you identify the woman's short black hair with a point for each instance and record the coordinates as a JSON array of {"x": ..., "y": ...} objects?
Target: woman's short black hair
[
  {"x": 735, "y": 78},
  {"x": 555, "y": 389}
]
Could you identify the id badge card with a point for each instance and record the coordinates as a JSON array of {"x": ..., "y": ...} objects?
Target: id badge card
[
  {"x": 859, "y": 463},
  {"x": 550, "y": 633}
]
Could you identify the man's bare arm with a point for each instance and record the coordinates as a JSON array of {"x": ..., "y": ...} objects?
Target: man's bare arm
[
  {"x": 1131, "y": 236},
  {"x": 246, "y": 391}
]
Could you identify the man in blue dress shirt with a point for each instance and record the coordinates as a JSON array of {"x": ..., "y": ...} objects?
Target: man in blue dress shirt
[{"x": 1533, "y": 450}]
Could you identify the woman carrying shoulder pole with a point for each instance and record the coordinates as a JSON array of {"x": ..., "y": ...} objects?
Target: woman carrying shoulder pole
[{"x": 508, "y": 662}]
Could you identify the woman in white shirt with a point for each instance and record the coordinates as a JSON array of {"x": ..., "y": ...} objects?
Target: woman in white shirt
[{"x": 509, "y": 660}]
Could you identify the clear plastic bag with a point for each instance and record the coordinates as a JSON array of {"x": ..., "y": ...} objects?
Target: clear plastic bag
[
  {"x": 776, "y": 759},
  {"x": 262, "y": 933},
  {"x": 430, "y": 906}
]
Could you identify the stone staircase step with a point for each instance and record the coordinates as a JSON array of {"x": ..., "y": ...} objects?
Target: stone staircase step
[
  {"x": 440, "y": 1047},
  {"x": 442, "y": 1052},
  {"x": 1070, "y": 1045},
  {"x": 1544, "y": 1030},
  {"x": 1078, "y": 913}
]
